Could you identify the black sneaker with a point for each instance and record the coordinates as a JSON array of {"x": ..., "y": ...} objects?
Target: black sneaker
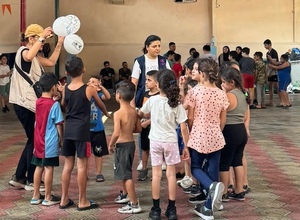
[
  {"x": 230, "y": 188},
  {"x": 171, "y": 213},
  {"x": 188, "y": 190},
  {"x": 225, "y": 197},
  {"x": 246, "y": 189},
  {"x": 196, "y": 191},
  {"x": 6, "y": 108},
  {"x": 198, "y": 199},
  {"x": 155, "y": 214},
  {"x": 204, "y": 214},
  {"x": 143, "y": 175},
  {"x": 3, "y": 110},
  {"x": 237, "y": 196},
  {"x": 180, "y": 175}
]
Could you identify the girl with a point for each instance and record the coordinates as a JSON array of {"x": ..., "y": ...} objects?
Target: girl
[
  {"x": 224, "y": 56},
  {"x": 236, "y": 131},
  {"x": 166, "y": 114},
  {"x": 284, "y": 79},
  {"x": 206, "y": 119},
  {"x": 5, "y": 73}
]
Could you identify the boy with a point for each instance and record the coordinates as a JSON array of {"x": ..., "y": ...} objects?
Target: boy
[
  {"x": 98, "y": 138},
  {"x": 76, "y": 99},
  {"x": 260, "y": 79},
  {"x": 170, "y": 57},
  {"x": 151, "y": 84},
  {"x": 126, "y": 122},
  {"x": 48, "y": 134},
  {"x": 177, "y": 67}
]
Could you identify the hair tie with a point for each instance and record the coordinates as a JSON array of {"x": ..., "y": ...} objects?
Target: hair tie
[{"x": 172, "y": 82}]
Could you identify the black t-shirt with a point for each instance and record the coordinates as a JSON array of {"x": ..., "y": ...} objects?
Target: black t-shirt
[
  {"x": 110, "y": 72},
  {"x": 126, "y": 73},
  {"x": 273, "y": 53}
]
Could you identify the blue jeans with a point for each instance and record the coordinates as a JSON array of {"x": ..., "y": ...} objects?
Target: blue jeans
[
  {"x": 27, "y": 119},
  {"x": 206, "y": 173}
]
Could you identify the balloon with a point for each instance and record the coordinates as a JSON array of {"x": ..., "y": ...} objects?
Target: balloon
[
  {"x": 61, "y": 26},
  {"x": 73, "y": 44},
  {"x": 75, "y": 23}
]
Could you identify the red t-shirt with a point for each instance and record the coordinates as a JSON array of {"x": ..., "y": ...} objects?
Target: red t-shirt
[{"x": 177, "y": 68}]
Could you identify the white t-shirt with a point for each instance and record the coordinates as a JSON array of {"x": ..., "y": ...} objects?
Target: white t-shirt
[
  {"x": 150, "y": 64},
  {"x": 3, "y": 71},
  {"x": 209, "y": 55},
  {"x": 164, "y": 119}
]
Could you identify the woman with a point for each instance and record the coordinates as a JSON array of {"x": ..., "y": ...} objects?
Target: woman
[
  {"x": 23, "y": 96},
  {"x": 223, "y": 57},
  {"x": 151, "y": 60}
]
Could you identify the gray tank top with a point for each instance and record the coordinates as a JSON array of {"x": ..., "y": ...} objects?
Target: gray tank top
[{"x": 236, "y": 116}]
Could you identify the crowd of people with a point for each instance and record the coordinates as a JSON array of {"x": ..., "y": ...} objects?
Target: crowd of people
[{"x": 198, "y": 113}]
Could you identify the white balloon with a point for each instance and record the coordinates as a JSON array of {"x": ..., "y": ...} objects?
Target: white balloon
[
  {"x": 61, "y": 26},
  {"x": 75, "y": 23},
  {"x": 73, "y": 44}
]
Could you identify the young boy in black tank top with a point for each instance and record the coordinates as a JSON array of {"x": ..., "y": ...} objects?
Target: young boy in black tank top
[{"x": 76, "y": 100}]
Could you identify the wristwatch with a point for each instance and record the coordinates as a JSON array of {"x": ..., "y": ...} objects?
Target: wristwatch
[{"x": 42, "y": 40}]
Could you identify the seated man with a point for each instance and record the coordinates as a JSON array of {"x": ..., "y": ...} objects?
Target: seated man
[
  {"x": 124, "y": 72},
  {"x": 107, "y": 75}
]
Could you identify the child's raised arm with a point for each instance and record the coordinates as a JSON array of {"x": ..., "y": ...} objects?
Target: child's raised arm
[
  {"x": 98, "y": 101},
  {"x": 116, "y": 134},
  {"x": 106, "y": 94}
]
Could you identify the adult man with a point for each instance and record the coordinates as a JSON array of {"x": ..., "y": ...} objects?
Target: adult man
[
  {"x": 124, "y": 72},
  {"x": 208, "y": 54},
  {"x": 172, "y": 47},
  {"x": 107, "y": 75},
  {"x": 272, "y": 73},
  {"x": 247, "y": 65}
]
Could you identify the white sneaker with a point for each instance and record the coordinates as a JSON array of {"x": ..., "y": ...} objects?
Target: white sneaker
[
  {"x": 186, "y": 182},
  {"x": 30, "y": 187},
  {"x": 130, "y": 208},
  {"x": 122, "y": 198},
  {"x": 164, "y": 166},
  {"x": 140, "y": 166}
]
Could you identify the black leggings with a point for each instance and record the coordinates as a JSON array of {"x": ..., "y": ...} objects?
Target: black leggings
[{"x": 232, "y": 153}]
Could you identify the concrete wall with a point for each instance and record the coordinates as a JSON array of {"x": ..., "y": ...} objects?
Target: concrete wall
[{"x": 117, "y": 32}]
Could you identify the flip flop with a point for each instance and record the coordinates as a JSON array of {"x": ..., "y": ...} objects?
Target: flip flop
[
  {"x": 69, "y": 204},
  {"x": 100, "y": 178},
  {"x": 93, "y": 205}
]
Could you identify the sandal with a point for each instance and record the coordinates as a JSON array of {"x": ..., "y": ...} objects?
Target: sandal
[
  {"x": 69, "y": 204},
  {"x": 100, "y": 178},
  {"x": 92, "y": 205}
]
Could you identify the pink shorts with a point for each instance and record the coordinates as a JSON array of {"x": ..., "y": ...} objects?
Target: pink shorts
[{"x": 164, "y": 151}]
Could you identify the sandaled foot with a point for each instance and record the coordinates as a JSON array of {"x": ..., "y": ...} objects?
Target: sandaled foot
[
  {"x": 100, "y": 178},
  {"x": 92, "y": 205},
  {"x": 69, "y": 204}
]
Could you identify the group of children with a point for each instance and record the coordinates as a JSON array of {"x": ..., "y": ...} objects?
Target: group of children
[{"x": 191, "y": 106}]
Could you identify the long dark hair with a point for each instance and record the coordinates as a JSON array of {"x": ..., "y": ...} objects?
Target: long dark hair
[
  {"x": 230, "y": 74},
  {"x": 148, "y": 41},
  {"x": 167, "y": 84}
]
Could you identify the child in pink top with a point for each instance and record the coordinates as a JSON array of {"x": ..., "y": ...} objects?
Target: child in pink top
[{"x": 206, "y": 119}]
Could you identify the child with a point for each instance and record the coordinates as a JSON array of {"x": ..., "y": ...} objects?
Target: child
[
  {"x": 170, "y": 57},
  {"x": 5, "y": 74},
  {"x": 98, "y": 138},
  {"x": 260, "y": 80},
  {"x": 166, "y": 114},
  {"x": 284, "y": 79},
  {"x": 236, "y": 132},
  {"x": 151, "y": 84},
  {"x": 177, "y": 67},
  {"x": 48, "y": 134},
  {"x": 76, "y": 99},
  {"x": 126, "y": 122},
  {"x": 206, "y": 119}
]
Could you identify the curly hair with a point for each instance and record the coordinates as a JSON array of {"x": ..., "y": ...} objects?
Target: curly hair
[
  {"x": 210, "y": 68},
  {"x": 230, "y": 74},
  {"x": 168, "y": 85}
]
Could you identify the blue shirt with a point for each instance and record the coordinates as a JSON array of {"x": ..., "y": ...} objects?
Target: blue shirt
[{"x": 96, "y": 123}]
